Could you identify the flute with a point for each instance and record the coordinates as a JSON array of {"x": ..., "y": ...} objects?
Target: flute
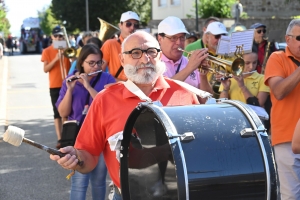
[{"x": 77, "y": 77}]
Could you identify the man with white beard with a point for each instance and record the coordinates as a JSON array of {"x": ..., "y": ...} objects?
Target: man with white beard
[{"x": 111, "y": 107}]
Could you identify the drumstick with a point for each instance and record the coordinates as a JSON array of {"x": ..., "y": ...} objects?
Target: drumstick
[
  {"x": 77, "y": 77},
  {"x": 15, "y": 136}
]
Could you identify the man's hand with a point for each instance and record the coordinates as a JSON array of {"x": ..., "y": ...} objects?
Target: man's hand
[{"x": 69, "y": 161}]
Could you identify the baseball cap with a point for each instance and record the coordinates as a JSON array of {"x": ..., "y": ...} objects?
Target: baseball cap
[
  {"x": 216, "y": 28},
  {"x": 129, "y": 15},
  {"x": 171, "y": 26},
  {"x": 57, "y": 31},
  {"x": 192, "y": 35},
  {"x": 257, "y": 25}
]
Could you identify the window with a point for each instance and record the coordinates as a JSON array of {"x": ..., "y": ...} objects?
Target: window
[
  {"x": 162, "y": 3},
  {"x": 175, "y": 2}
]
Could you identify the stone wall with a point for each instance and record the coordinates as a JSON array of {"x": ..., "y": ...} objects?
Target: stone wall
[
  {"x": 272, "y": 24},
  {"x": 270, "y": 8}
]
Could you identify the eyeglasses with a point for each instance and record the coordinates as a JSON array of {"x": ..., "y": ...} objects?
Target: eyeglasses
[
  {"x": 93, "y": 63},
  {"x": 261, "y": 30},
  {"x": 137, "y": 53},
  {"x": 129, "y": 24},
  {"x": 60, "y": 36},
  {"x": 296, "y": 37},
  {"x": 175, "y": 38},
  {"x": 218, "y": 36}
]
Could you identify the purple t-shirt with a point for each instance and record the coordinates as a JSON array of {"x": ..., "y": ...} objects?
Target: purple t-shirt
[{"x": 80, "y": 94}]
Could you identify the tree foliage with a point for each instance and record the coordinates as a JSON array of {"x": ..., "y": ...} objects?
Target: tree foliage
[
  {"x": 217, "y": 8},
  {"x": 47, "y": 20},
  {"x": 73, "y": 12},
  {"x": 4, "y": 22}
]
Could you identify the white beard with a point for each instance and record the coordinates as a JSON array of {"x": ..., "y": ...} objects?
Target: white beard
[{"x": 144, "y": 76}]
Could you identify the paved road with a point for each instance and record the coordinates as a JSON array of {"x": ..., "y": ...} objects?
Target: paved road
[{"x": 25, "y": 171}]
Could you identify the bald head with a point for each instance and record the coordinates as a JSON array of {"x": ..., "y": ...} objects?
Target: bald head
[{"x": 139, "y": 39}]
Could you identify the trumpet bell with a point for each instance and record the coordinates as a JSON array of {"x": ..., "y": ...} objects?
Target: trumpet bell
[{"x": 107, "y": 30}]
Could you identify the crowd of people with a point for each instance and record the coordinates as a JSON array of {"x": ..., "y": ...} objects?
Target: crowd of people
[{"x": 151, "y": 64}]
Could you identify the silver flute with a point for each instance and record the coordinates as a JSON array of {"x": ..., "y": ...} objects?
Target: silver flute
[{"x": 78, "y": 77}]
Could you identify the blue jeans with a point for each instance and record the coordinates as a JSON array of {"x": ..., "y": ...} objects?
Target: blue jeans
[
  {"x": 97, "y": 177},
  {"x": 117, "y": 196}
]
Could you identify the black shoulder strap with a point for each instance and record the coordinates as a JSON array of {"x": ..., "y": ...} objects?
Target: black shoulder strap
[
  {"x": 295, "y": 61},
  {"x": 119, "y": 71}
]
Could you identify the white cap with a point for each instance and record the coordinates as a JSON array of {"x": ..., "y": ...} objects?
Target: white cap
[
  {"x": 216, "y": 28},
  {"x": 171, "y": 26},
  {"x": 129, "y": 15}
]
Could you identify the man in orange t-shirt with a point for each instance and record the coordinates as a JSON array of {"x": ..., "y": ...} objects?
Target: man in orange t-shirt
[
  {"x": 111, "y": 48},
  {"x": 141, "y": 60},
  {"x": 283, "y": 76},
  {"x": 57, "y": 72}
]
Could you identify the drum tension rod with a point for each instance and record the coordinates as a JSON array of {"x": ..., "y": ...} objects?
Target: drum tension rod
[
  {"x": 247, "y": 132},
  {"x": 186, "y": 137}
]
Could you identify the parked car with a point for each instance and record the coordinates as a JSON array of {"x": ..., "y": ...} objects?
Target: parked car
[{"x": 280, "y": 45}]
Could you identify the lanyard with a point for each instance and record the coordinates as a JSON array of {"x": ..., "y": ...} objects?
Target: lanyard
[{"x": 179, "y": 66}]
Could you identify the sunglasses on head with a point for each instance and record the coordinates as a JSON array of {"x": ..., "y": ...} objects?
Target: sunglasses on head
[
  {"x": 129, "y": 24},
  {"x": 297, "y": 37},
  {"x": 60, "y": 36},
  {"x": 261, "y": 30},
  {"x": 218, "y": 36}
]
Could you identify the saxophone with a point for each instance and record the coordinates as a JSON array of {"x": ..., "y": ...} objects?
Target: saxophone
[{"x": 267, "y": 52}]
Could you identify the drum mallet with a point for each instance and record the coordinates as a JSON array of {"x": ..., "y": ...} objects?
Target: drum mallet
[{"x": 15, "y": 136}]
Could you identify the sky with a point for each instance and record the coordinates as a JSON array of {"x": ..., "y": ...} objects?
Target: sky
[{"x": 18, "y": 10}]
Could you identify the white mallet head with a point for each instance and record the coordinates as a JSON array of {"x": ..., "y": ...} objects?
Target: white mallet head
[{"x": 14, "y": 135}]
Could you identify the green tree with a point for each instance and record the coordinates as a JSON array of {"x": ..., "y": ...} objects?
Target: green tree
[
  {"x": 217, "y": 8},
  {"x": 4, "y": 22},
  {"x": 47, "y": 20},
  {"x": 73, "y": 12}
]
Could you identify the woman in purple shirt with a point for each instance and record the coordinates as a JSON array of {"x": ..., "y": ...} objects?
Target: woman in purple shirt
[{"x": 75, "y": 97}]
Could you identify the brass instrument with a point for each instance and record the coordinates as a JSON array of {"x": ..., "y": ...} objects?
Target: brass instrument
[
  {"x": 266, "y": 56},
  {"x": 70, "y": 52},
  {"x": 232, "y": 68},
  {"x": 107, "y": 30}
]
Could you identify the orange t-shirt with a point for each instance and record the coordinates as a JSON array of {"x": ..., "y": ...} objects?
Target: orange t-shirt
[
  {"x": 286, "y": 112},
  {"x": 55, "y": 78},
  {"x": 111, "y": 50},
  {"x": 110, "y": 110}
]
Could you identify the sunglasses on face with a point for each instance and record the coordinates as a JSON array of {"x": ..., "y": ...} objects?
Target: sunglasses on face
[
  {"x": 261, "y": 30},
  {"x": 218, "y": 36},
  {"x": 296, "y": 37},
  {"x": 60, "y": 36},
  {"x": 129, "y": 24}
]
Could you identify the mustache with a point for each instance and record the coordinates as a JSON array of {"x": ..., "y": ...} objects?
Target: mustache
[{"x": 142, "y": 65}]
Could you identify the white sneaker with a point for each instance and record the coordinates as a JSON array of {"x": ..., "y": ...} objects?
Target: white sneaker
[{"x": 159, "y": 189}]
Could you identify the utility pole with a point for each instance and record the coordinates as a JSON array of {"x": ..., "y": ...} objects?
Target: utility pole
[
  {"x": 197, "y": 15},
  {"x": 87, "y": 15}
]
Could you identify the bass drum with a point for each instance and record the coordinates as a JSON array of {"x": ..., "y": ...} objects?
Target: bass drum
[{"x": 218, "y": 151}]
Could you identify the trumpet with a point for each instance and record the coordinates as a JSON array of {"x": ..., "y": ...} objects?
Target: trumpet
[{"x": 232, "y": 68}]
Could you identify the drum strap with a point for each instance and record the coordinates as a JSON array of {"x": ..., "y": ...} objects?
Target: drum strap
[
  {"x": 135, "y": 90},
  {"x": 295, "y": 61}
]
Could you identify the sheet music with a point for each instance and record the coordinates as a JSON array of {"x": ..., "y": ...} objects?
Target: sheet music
[
  {"x": 223, "y": 45},
  {"x": 240, "y": 38}
]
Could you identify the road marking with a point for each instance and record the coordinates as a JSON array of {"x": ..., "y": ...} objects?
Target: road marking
[{"x": 3, "y": 93}]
